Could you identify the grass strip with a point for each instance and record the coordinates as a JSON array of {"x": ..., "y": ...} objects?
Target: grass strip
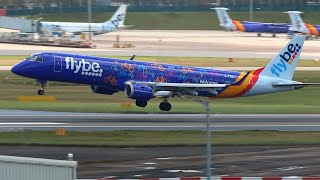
[
  {"x": 179, "y": 20},
  {"x": 159, "y": 138}
]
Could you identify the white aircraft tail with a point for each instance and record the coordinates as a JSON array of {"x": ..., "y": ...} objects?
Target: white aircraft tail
[
  {"x": 297, "y": 24},
  {"x": 283, "y": 65},
  {"x": 224, "y": 19},
  {"x": 118, "y": 17}
]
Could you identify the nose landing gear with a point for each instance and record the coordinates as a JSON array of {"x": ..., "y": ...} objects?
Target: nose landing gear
[
  {"x": 43, "y": 85},
  {"x": 165, "y": 106}
]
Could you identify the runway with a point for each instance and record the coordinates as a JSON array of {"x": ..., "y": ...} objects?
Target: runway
[
  {"x": 177, "y": 43},
  {"x": 15, "y": 120}
]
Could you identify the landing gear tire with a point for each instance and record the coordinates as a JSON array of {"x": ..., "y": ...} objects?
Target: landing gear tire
[
  {"x": 165, "y": 106},
  {"x": 259, "y": 34},
  {"x": 273, "y": 35},
  {"x": 41, "y": 92},
  {"x": 43, "y": 85},
  {"x": 140, "y": 103}
]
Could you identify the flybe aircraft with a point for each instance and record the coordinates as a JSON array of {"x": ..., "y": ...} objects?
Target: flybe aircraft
[
  {"x": 143, "y": 81},
  {"x": 116, "y": 22},
  {"x": 297, "y": 25},
  {"x": 246, "y": 26}
]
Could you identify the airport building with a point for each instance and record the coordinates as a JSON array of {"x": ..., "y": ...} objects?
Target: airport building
[{"x": 16, "y": 168}]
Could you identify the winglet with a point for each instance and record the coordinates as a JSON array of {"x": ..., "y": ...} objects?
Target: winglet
[{"x": 283, "y": 65}]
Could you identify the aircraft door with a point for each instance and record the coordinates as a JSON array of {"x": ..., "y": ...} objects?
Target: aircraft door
[{"x": 57, "y": 64}]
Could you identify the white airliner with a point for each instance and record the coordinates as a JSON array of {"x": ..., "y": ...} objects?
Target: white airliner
[{"x": 114, "y": 23}]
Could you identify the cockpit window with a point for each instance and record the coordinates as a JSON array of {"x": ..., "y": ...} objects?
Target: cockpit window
[
  {"x": 35, "y": 58},
  {"x": 30, "y": 58}
]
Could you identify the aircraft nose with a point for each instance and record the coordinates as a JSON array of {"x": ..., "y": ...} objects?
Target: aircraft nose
[{"x": 15, "y": 69}]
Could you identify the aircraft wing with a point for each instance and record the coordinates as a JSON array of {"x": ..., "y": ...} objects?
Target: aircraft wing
[
  {"x": 180, "y": 89},
  {"x": 190, "y": 85}
]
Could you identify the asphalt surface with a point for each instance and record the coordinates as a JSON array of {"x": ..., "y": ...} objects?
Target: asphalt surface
[
  {"x": 120, "y": 163},
  {"x": 98, "y": 162},
  {"x": 15, "y": 120},
  {"x": 162, "y": 53},
  {"x": 182, "y": 43}
]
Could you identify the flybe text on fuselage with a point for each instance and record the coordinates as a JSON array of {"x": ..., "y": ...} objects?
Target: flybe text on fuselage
[
  {"x": 207, "y": 82},
  {"x": 285, "y": 59},
  {"x": 86, "y": 68}
]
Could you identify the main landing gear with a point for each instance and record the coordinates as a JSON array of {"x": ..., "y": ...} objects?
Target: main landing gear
[
  {"x": 141, "y": 103},
  {"x": 165, "y": 106},
  {"x": 43, "y": 85}
]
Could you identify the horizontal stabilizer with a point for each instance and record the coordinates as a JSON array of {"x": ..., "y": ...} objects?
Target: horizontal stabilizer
[
  {"x": 296, "y": 84},
  {"x": 125, "y": 26}
]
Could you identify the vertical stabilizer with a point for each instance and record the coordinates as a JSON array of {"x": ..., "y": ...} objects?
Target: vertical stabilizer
[
  {"x": 224, "y": 18},
  {"x": 118, "y": 17},
  {"x": 283, "y": 65},
  {"x": 297, "y": 24}
]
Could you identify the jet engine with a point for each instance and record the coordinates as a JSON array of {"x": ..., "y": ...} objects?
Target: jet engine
[
  {"x": 139, "y": 92},
  {"x": 102, "y": 90}
]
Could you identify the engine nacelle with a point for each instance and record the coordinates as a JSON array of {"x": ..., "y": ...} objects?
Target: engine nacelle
[
  {"x": 139, "y": 92},
  {"x": 102, "y": 90}
]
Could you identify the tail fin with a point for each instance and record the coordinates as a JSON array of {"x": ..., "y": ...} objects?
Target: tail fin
[
  {"x": 119, "y": 16},
  {"x": 284, "y": 64},
  {"x": 224, "y": 18},
  {"x": 297, "y": 24}
]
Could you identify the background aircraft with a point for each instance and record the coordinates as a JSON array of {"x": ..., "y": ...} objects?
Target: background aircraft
[
  {"x": 246, "y": 26},
  {"x": 143, "y": 81},
  {"x": 297, "y": 25},
  {"x": 114, "y": 23}
]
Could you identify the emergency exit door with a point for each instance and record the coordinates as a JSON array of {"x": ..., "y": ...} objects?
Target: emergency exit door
[{"x": 57, "y": 63}]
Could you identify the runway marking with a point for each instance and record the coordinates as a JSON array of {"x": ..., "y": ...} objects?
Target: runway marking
[
  {"x": 152, "y": 127},
  {"x": 290, "y": 168},
  {"x": 30, "y": 123},
  {"x": 166, "y": 158},
  {"x": 149, "y": 163},
  {"x": 160, "y": 116},
  {"x": 185, "y": 171}
]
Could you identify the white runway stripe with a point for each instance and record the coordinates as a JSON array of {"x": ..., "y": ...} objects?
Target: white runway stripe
[{"x": 30, "y": 123}]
